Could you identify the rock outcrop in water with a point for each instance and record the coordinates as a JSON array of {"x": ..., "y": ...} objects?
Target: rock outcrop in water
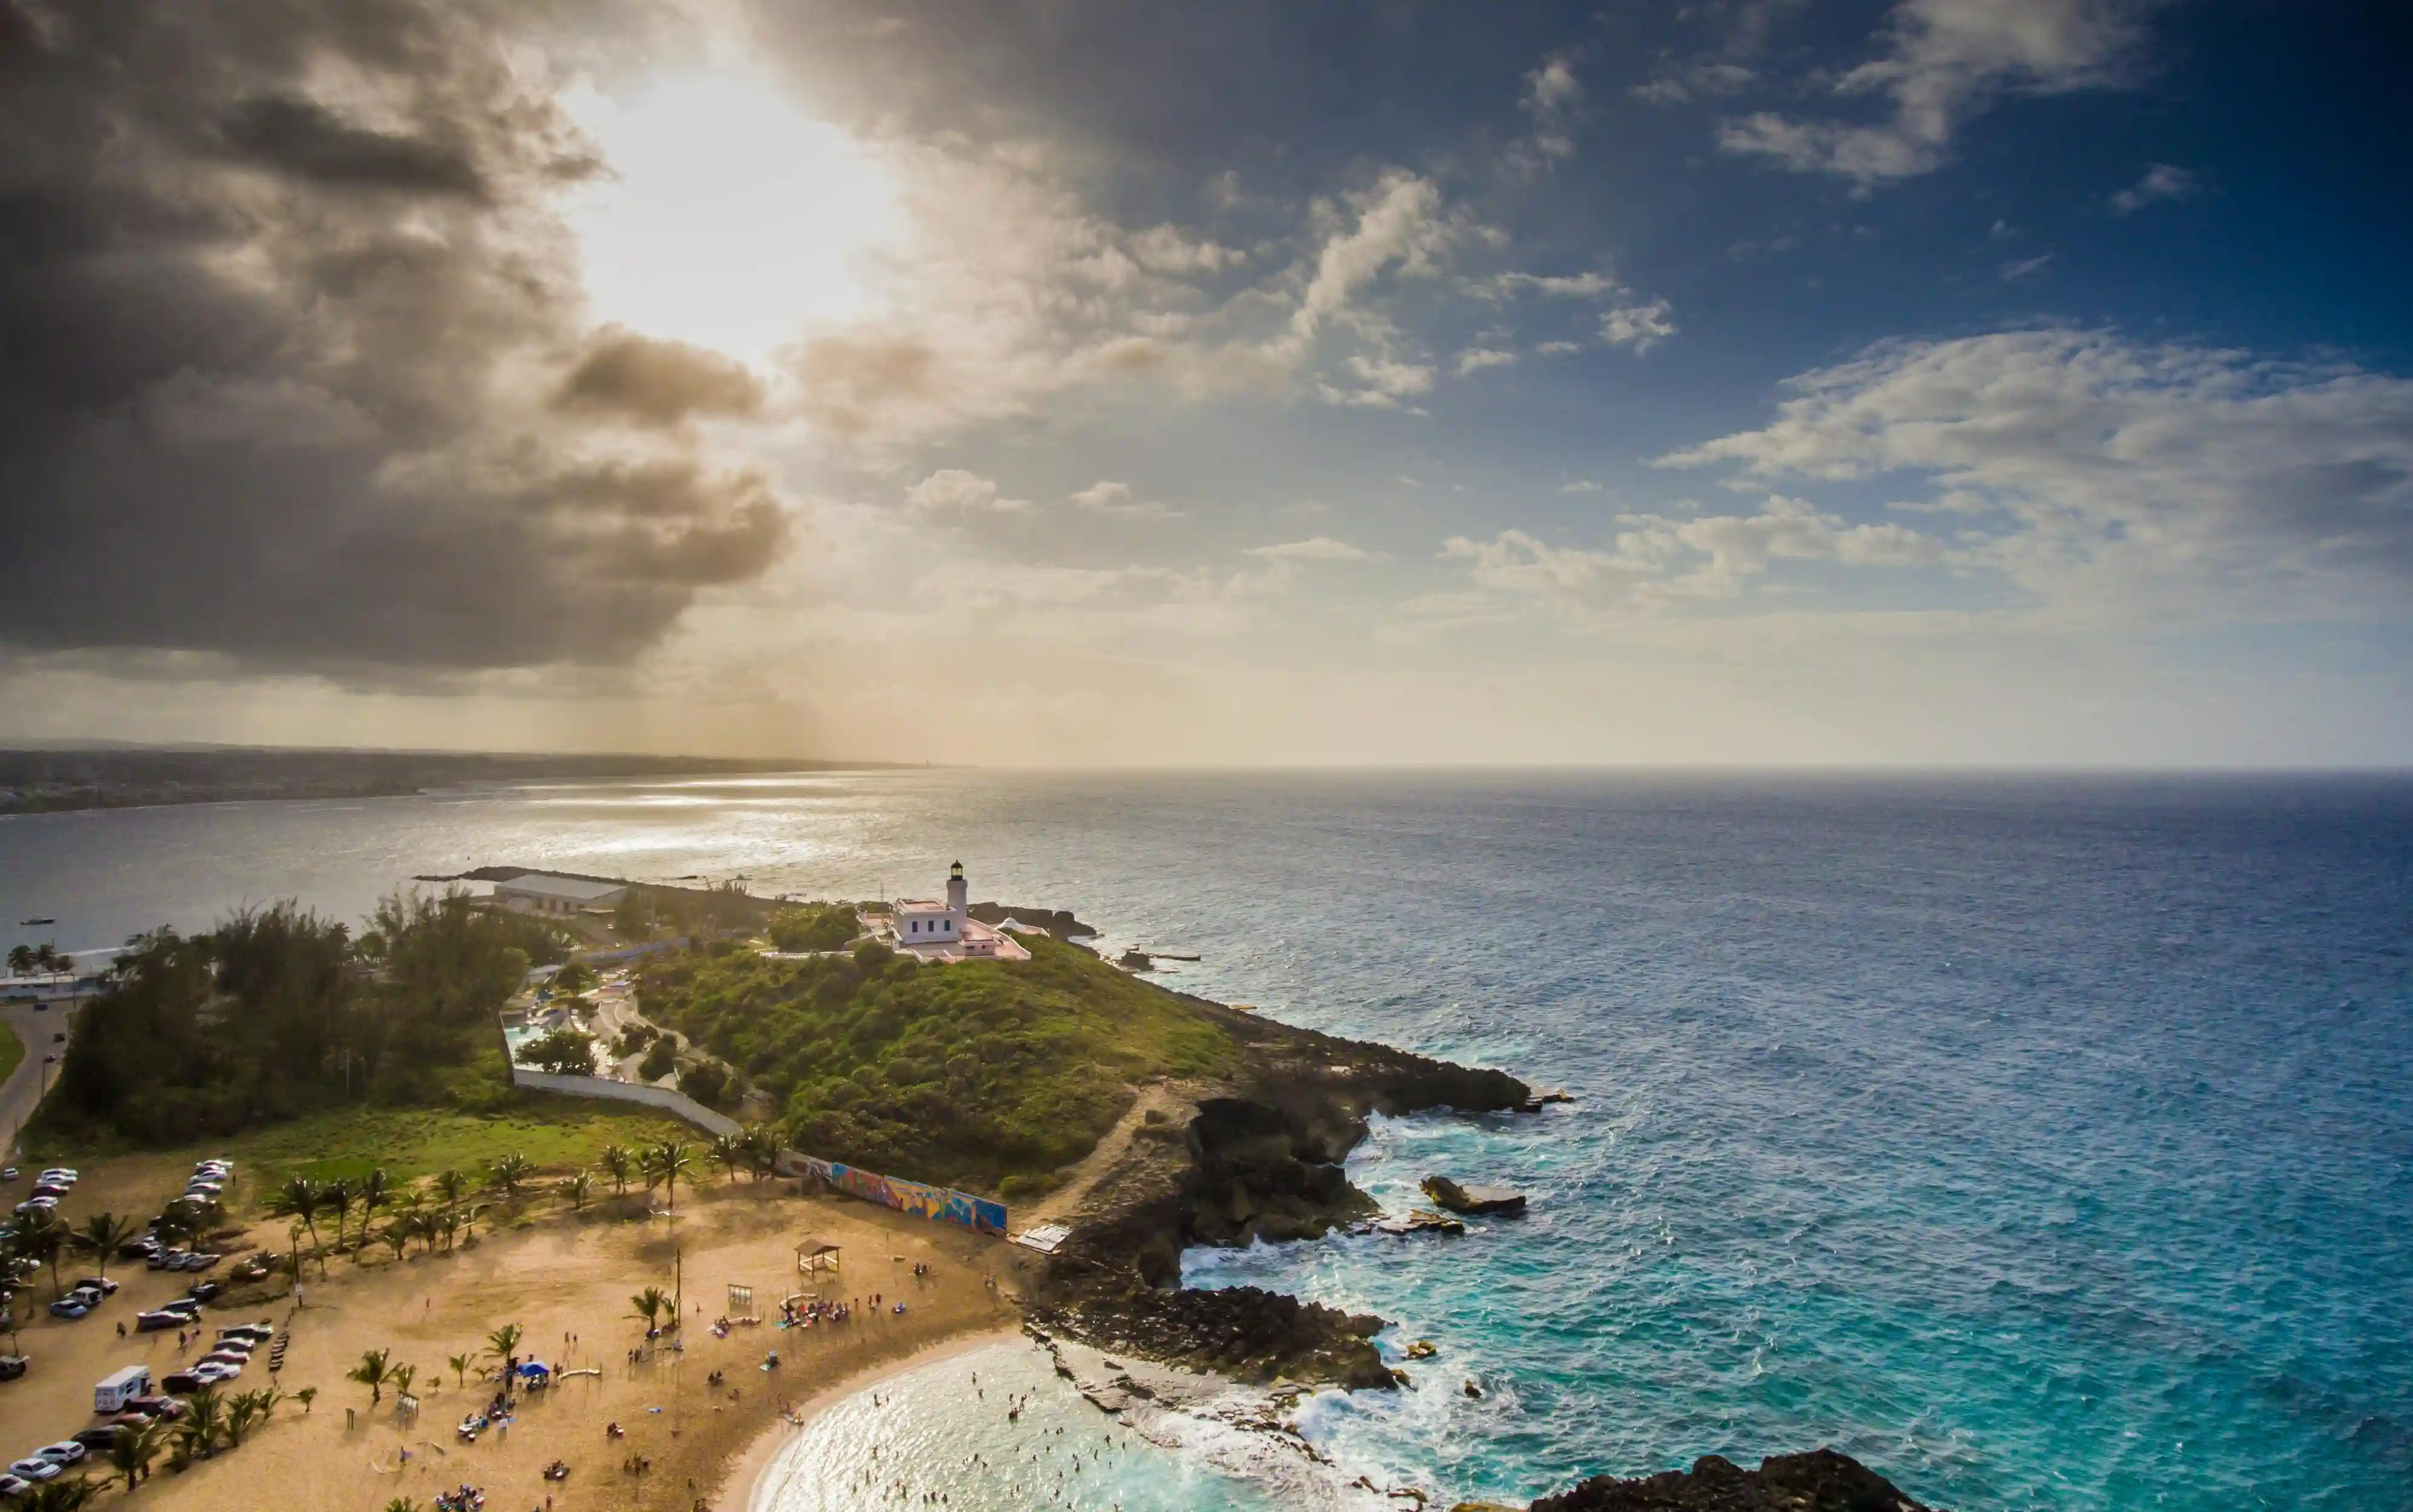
[
  {"x": 1819, "y": 1481},
  {"x": 1470, "y": 1200},
  {"x": 1256, "y": 1158}
]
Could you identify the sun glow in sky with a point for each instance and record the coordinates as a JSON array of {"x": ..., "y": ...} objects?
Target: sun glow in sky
[{"x": 730, "y": 218}]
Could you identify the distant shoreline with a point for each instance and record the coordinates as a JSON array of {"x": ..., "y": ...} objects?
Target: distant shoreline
[{"x": 81, "y": 781}]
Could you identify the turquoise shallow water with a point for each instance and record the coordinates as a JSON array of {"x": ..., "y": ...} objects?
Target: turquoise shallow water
[{"x": 2045, "y": 1143}]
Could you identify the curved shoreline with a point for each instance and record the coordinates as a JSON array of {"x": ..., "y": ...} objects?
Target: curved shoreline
[{"x": 743, "y": 1476}]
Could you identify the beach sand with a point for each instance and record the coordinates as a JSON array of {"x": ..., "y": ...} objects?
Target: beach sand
[{"x": 557, "y": 1275}]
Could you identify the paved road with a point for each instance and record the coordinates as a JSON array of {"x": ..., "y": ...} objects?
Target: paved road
[{"x": 23, "y": 1089}]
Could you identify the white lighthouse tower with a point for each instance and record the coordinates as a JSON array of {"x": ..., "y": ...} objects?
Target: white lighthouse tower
[{"x": 959, "y": 894}]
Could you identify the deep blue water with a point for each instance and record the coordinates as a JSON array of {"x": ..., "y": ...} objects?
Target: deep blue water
[{"x": 2043, "y": 1142}]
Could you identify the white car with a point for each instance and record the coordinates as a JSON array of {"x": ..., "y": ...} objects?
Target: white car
[
  {"x": 7, "y": 1173},
  {"x": 63, "y": 1453},
  {"x": 13, "y": 1486},
  {"x": 210, "y": 1373},
  {"x": 31, "y": 1468}
]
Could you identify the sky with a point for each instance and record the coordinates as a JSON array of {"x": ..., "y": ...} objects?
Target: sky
[{"x": 1065, "y": 383}]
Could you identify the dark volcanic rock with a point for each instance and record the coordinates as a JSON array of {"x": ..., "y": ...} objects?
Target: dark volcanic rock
[
  {"x": 1458, "y": 1199},
  {"x": 1819, "y": 1481}
]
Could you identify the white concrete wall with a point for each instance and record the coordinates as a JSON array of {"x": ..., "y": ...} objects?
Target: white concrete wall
[{"x": 678, "y": 1105}]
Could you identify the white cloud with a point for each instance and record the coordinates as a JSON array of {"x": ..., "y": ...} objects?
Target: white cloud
[
  {"x": 1582, "y": 485},
  {"x": 1552, "y": 96},
  {"x": 2125, "y": 479},
  {"x": 2161, "y": 181},
  {"x": 1638, "y": 326},
  {"x": 1106, "y": 497},
  {"x": 1705, "y": 77},
  {"x": 2015, "y": 270},
  {"x": 1587, "y": 285},
  {"x": 1558, "y": 348},
  {"x": 1317, "y": 549},
  {"x": 1657, "y": 560},
  {"x": 1946, "y": 61},
  {"x": 954, "y": 489},
  {"x": 1476, "y": 359}
]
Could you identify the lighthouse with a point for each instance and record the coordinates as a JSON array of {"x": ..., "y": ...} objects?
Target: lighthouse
[{"x": 958, "y": 893}]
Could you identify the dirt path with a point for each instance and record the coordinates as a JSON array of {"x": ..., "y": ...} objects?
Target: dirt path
[{"x": 1172, "y": 1100}]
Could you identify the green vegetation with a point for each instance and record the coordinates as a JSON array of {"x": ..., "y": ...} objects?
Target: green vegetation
[
  {"x": 13, "y": 1050},
  {"x": 279, "y": 1011},
  {"x": 987, "y": 1075},
  {"x": 564, "y": 1052},
  {"x": 815, "y": 927}
]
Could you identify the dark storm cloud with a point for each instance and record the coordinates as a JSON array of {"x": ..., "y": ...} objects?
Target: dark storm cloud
[
  {"x": 284, "y": 305},
  {"x": 658, "y": 382}
]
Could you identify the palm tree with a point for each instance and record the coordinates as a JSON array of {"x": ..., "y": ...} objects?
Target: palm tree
[
  {"x": 504, "y": 1343},
  {"x": 460, "y": 1364},
  {"x": 62, "y": 1496},
  {"x": 619, "y": 1165},
  {"x": 204, "y": 1422},
  {"x": 728, "y": 1151},
  {"x": 100, "y": 1236},
  {"x": 42, "y": 1236},
  {"x": 131, "y": 1453},
  {"x": 47, "y": 957},
  {"x": 396, "y": 1234},
  {"x": 763, "y": 1151},
  {"x": 306, "y": 1396},
  {"x": 373, "y": 1372},
  {"x": 512, "y": 1172},
  {"x": 299, "y": 1197},
  {"x": 402, "y": 1503},
  {"x": 375, "y": 1191},
  {"x": 649, "y": 1304},
  {"x": 21, "y": 960},
  {"x": 576, "y": 1189},
  {"x": 470, "y": 1213},
  {"x": 401, "y": 1376},
  {"x": 336, "y": 1197},
  {"x": 666, "y": 1162},
  {"x": 452, "y": 1186}
]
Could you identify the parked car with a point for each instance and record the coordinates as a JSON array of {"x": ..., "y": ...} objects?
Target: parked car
[
  {"x": 180, "y": 1382},
  {"x": 70, "y": 1307},
  {"x": 233, "y": 1349},
  {"x": 162, "y": 1259},
  {"x": 13, "y": 1486},
  {"x": 141, "y": 1247},
  {"x": 12, "y": 1366},
  {"x": 167, "y": 1407},
  {"x": 68, "y": 1171},
  {"x": 211, "y": 1372},
  {"x": 38, "y": 1205},
  {"x": 64, "y": 1452},
  {"x": 203, "y": 1291},
  {"x": 101, "y": 1437},
  {"x": 99, "y": 1283},
  {"x": 30, "y": 1468},
  {"x": 258, "y": 1333},
  {"x": 159, "y": 1321},
  {"x": 7, "y": 1173}
]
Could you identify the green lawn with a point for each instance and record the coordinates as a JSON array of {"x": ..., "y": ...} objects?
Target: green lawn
[
  {"x": 13, "y": 1050},
  {"x": 558, "y": 1133}
]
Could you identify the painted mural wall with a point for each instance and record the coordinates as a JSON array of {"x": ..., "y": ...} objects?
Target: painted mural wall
[{"x": 943, "y": 1203}]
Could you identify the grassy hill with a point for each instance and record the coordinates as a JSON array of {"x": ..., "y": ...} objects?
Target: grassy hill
[{"x": 985, "y": 1075}]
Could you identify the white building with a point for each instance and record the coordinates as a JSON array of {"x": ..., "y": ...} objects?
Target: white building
[
  {"x": 937, "y": 931},
  {"x": 540, "y": 892}
]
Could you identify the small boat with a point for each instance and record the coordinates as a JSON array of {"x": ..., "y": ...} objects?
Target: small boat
[{"x": 33, "y": 923}]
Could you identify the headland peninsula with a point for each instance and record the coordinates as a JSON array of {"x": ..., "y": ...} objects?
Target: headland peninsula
[{"x": 615, "y": 1131}]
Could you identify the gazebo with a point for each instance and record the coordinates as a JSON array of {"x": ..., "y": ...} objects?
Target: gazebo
[{"x": 816, "y": 1256}]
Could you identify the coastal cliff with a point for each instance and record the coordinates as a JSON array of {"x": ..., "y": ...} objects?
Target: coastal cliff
[
  {"x": 1254, "y": 1156},
  {"x": 1819, "y": 1481}
]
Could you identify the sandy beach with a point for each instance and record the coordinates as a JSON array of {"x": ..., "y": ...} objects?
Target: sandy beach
[{"x": 567, "y": 1281}]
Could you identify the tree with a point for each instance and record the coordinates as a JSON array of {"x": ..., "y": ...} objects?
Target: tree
[
  {"x": 21, "y": 960},
  {"x": 564, "y": 1052},
  {"x": 99, "y": 1238},
  {"x": 728, "y": 1151},
  {"x": 619, "y": 1164},
  {"x": 706, "y": 1081},
  {"x": 814, "y": 927},
  {"x": 42, "y": 1236},
  {"x": 400, "y": 1378},
  {"x": 47, "y": 957},
  {"x": 761, "y": 1153},
  {"x": 512, "y": 1172},
  {"x": 337, "y": 1199},
  {"x": 660, "y": 1061},
  {"x": 395, "y": 1235},
  {"x": 649, "y": 1304},
  {"x": 131, "y": 1453},
  {"x": 306, "y": 1396},
  {"x": 204, "y": 1422},
  {"x": 460, "y": 1367},
  {"x": 665, "y": 1163},
  {"x": 62, "y": 1495},
  {"x": 504, "y": 1343},
  {"x": 299, "y": 1197},
  {"x": 577, "y": 1189},
  {"x": 632, "y": 919},
  {"x": 452, "y": 1186},
  {"x": 575, "y": 977},
  {"x": 375, "y": 1191},
  {"x": 375, "y": 1369}
]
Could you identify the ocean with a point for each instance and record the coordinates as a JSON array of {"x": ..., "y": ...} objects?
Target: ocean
[{"x": 2043, "y": 1142}]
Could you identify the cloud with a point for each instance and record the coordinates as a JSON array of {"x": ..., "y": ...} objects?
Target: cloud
[
  {"x": 1946, "y": 60},
  {"x": 1657, "y": 560},
  {"x": 1639, "y": 326},
  {"x": 952, "y": 489},
  {"x": 635, "y": 377},
  {"x": 1551, "y": 98},
  {"x": 1318, "y": 549},
  {"x": 2161, "y": 181},
  {"x": 1705, "y": 77},
  {"x": 1108, "y": 498},
  {"x": 2121, "y": 478},
  {"x": 289, "y": 305},
  {"x": 1582, "y": 485},
  {"x": 1476, "y": 359},
  {"x": 2019, "y": 267}
]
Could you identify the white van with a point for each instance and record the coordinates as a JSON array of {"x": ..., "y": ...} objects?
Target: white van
[{"x": 110, "y": 1396}]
